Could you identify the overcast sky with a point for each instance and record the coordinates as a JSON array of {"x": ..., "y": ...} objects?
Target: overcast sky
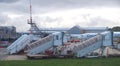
[{"x": 60, "y": 13}]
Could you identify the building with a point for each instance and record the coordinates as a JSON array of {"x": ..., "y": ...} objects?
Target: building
[
  {"x": 7, "y": 32},
  {"x": 76, "y": 30},
  {"x": 95, "y": 29},
  {"x": 81, "y": 30}
]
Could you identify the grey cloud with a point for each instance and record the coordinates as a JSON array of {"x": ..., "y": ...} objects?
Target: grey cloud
[
  {"x": 8, "y": 1},
  {"x": 49, "y": 19},
  {"x": 77, "y": 3},
  {"x": 3, "y": 19},
  {"x": 43, "y": 6},
  {"x": 98, "y": 21},
  {"x": 54, "y": 5},
  {"x": 17, "y": 8}
]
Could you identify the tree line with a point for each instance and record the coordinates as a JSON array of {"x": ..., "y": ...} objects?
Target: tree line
[{"x": 116, "y": 28}]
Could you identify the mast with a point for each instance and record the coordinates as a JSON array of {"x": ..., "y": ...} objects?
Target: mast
[
  {"x": 30, "y": 18},
  {"x": 34, "y": 29},
  {"x": 30, "y": 12}
]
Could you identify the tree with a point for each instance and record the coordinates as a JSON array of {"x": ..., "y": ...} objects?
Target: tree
[{"x": 116, "y": 28}]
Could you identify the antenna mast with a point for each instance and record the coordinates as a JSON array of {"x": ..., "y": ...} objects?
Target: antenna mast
[
  {"x": 30, "y": 12},
  {"x": 30, "y": 19},
  {"x": 34, "y": 29}
]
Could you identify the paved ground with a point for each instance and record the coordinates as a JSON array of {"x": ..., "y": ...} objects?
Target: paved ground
[
  {"x": 15, "y": 57},
  {"x": 3, "y": 53},
  {"x": 5, "y": 56}
]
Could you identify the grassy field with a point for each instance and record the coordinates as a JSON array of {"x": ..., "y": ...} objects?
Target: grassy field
[{"x": 64, "y": 62}]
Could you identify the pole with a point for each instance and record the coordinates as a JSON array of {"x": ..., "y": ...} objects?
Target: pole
[
  {"x": 30, "y": 12},
  {"x": 30, "y": 17}
]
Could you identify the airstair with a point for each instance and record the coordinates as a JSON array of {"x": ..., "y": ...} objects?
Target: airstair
[
  {"x": 89, "y": 45},
  {"x": 39, "y": 46},
  {"x": 19, "y": 44}
]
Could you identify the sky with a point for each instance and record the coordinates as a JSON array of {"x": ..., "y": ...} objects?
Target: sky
[{"x": 60, "y": 13}]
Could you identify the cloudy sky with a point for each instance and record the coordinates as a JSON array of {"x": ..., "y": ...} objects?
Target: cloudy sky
[{"x": 60, "y": 13}]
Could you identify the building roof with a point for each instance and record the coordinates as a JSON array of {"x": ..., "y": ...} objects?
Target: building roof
[{"x": 96, "y": 28}]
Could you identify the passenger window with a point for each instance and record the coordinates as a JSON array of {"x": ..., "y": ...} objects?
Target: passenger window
[{"x": 57, "y": 38}]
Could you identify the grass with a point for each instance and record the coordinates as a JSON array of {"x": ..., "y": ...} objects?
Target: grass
[{"x": 64, "y": 62}]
